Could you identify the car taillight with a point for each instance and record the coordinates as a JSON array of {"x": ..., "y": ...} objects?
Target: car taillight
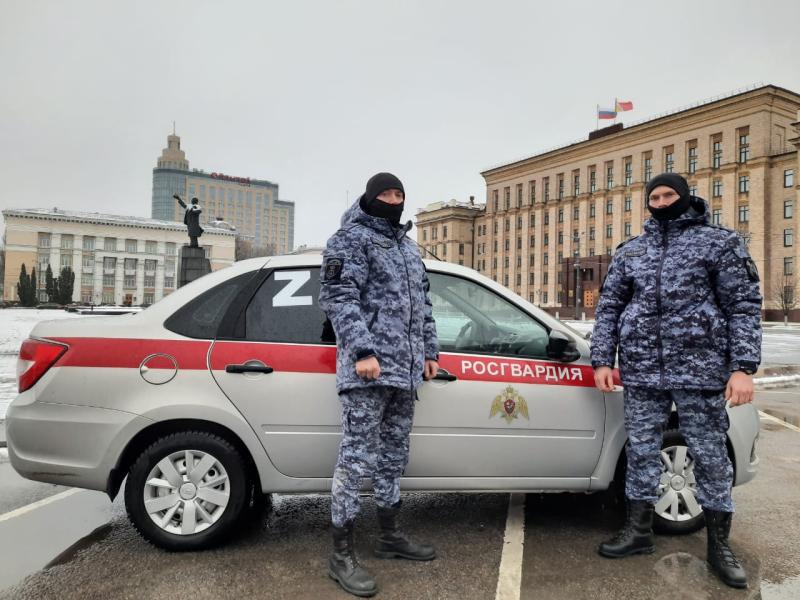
[{"x": 35, "y": 358}]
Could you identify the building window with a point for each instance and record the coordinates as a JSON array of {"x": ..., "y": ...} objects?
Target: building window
[
  {"x": 66, "y": 260},
  {"x": 461, "y": 249},
  {"x": 647, "y": 175},
  {"x": 531, "y": 220},
  {"x": 788, "y": 295},
  {"x": 788, "y": 209},
  {"x": 716, "y": 188},
  {"x": 151, "y": 247},
  {"x": 444, "y": 232},
  {"x": 693, "y": 189},
  {"x": 546, "y": 239},
  {"x": 788, "y": 178},
  {"x": 545, "y": 278},
  {"x": 530, "y": 260},
  {"x": 628, "y": 203},
  {"x": 560, "y": 237},
  {"x": 716, "y": 216},
  {"x": 532, "y": 191},
  {"x": 444, "y": 248},
  {"x": 744, "y": 144},
  {"x": 592, "y": 181},
  {"x": 744, "y": 213},
  {"x": 495, "y": 228},
  {"x": 494, "y": 200},
  {"x": 130, "y": 246},
  {"x": 609, "y": 177},
  {"x": 507, "y": 245},
  {"x": 576, "y": 213},
  {"x": 110, "y": 244},
  {"x": 530, "y": 278},
  {"x": 628, "y": 172},
  {"x": 609, "y": 206},
  {"x": 591, "y": 210},
  {"x": 576, "y": 184},
  {"x": 507, "y": 197},
  {"x": 560, "y": 215},
  {"x": 788, "y": 239},
  {"x": 788, "y": 265},
  {"x": 533, "y": 241},
  {"x": 67, "y": 241},
  {"x": 495, "y": 246},
  {"x": 519, "y": 243},
  {"x": 546, "y": 189},
  {"x": 744, "y": 184},
  {"x": 88, "y": 262},
  {"x": 425, "y": 234},
  {"x": 716, "y": 154},
  {"x": 545, "y": 258},
  {"x": 669, "y": 161},
  {"x": 435, "y": 233},
  {"x": 519, "y": 279},
  {"x": 88, "y": 242},
  {"x": 609, "y": 231},
  {"x": 591, "y": 233},
  {"x": 44, "y": 240},
  {"x": 560, "y": 187},
  {"x": 627, "y": 230},
  {"x": 87, "y": 279},
  {"x": 508, "y": 224},
  {"x": 519, "y": 195},
  {"x": 691, "y": 165},
  {"x": 547, "y": 218},
  {"x": 519, "y": 262}
]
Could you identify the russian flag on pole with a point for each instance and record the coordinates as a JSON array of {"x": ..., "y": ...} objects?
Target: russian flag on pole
[
  {"x": 623, "y": 105},
  {"x": 606, "y": 113}
]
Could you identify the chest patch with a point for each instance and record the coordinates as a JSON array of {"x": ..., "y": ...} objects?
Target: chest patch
[
  {"x": 385, "y": 244},
  {"x": 635, "y": 252}
]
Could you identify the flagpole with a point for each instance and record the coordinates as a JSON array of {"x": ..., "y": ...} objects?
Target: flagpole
[
  {"x": 615, "y": 111},
  {"x": 597, "y": 117}
]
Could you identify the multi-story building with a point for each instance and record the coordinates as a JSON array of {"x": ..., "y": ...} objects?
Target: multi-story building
[
  {"x": 562, "y": 212},
  {"x": 446, "y": 230},
  {"x": 250, "y": 205},
  {"x": 117, "y": 259}
]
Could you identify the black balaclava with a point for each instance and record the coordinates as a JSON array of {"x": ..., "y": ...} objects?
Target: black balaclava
[
  {"x": 370, "y": 204},
  {"x": 677, "y": 208}
]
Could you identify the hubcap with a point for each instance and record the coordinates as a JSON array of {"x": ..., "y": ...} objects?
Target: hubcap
[
  {"x": 677, "y": 488},
  {"x": 186, "y": 492}
]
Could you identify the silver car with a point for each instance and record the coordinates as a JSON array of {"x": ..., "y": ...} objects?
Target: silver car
[{"x": 224, "y": 392}]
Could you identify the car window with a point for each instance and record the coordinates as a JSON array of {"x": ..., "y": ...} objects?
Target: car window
[
  {"x": 201, "y": 316},
  {"x": 472, "y": 318},
  {"x": 286, "y": 309}
]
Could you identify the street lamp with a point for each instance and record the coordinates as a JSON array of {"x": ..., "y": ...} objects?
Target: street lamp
[{"x": 578, "y": 274}]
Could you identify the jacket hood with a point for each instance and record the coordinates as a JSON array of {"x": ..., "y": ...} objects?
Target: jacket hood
[{"x": 355, "y": 215}]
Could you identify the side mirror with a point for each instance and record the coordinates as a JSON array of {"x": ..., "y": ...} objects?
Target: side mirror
[{"x": 561, "y": 347}]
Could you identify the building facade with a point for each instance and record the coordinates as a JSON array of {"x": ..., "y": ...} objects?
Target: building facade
[
  {"x": 250, "y": 205},
  {"x": 548, "y": 217},
  {"x": 117, "y": 259},
  {"x": 446, "y": 230}
]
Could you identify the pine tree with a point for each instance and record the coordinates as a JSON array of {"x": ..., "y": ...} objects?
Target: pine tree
[
  {"x": 22, "y": 285},
  {"x": 33, "y": 294},
  {"x": 50, "y": 285},
  {"x": 65, "y": 285}
]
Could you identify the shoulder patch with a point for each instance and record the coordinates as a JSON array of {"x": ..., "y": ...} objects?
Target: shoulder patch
[
  {"x": 332, "y": 269},
  {"x": 635, "y": 252},
  {"x": 750, "y": 267}
]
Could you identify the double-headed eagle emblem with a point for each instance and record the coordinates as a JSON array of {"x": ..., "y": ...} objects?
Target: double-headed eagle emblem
[{"x": 509, "y": 405}]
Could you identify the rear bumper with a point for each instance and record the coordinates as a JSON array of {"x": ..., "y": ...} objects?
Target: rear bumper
[{"x": 66, "y": 444}]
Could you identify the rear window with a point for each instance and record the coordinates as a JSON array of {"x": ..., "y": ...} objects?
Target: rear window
[{"x": 200, "y": 317}]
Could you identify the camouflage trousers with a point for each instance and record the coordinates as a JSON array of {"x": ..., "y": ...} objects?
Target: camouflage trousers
[
  {"x": 376, "y": 426},
  {"x": 703, "y": 422}
]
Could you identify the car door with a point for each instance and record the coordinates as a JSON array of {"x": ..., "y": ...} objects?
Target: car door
[
  {"x": 510, "y": 411},
  {"x": 277, "y": 365}
]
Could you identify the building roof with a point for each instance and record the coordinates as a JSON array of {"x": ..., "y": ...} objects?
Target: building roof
[
  {"x": 106, "y": 219},
  {"x": 637, "y": 125}
]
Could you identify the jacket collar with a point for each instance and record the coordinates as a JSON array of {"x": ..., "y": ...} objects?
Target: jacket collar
[
  {"x": 356, "y": 215},
  {"x": 696, "y": 215}
]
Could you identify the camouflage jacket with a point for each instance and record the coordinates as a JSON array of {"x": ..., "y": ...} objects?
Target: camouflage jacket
[
  {"x": 375, "y": 293},
  {"x": 682, "y": 302}
]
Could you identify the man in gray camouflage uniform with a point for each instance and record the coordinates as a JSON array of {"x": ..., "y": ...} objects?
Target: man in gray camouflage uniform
[
  {"x": 682, "y": 304},
  {"x": 375, "y": 293}
]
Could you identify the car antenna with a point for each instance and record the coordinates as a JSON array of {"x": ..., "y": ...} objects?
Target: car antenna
[{"x": 423, "y": 248}]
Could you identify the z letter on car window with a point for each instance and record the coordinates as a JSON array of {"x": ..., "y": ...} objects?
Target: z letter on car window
[{"x": 286, "y": 296}]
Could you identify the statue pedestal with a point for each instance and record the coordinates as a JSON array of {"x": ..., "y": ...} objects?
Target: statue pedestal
[{"x": 194, "y": 265}]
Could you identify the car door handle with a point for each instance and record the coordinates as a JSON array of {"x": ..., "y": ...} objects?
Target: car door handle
[
  {"x": 248, "y": 369},
  {"x": 444, "y": 375}
]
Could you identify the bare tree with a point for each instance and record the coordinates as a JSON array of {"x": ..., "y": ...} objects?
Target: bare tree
[
  {"x": 784, "y": 292},
  {"x": 246, "y": 249}
]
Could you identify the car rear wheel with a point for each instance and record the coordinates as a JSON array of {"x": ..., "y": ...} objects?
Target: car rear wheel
[
  {"x": 677, "y": 510},
  {"x": 187, "y": 491}
]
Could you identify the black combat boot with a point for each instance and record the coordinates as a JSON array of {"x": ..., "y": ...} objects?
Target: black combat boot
[
  {"x": 720, "y": 556},
  {"x": 393, "y": 543},
  {"x": 343, "y": 565},
  {"x": 636, "y": 535}
]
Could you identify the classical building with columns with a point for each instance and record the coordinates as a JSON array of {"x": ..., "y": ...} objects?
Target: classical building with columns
[
  {"x": 552, "y": 216},
  {"x": 117, "y": 259}
]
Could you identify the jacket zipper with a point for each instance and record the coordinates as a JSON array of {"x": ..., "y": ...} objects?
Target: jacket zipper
[
  {"x": 410, "y": 313},
  {"x": 664, "y": 245}
]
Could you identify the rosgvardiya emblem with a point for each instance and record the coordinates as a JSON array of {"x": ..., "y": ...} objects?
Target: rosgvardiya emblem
[{"x": 509, "y": 405}]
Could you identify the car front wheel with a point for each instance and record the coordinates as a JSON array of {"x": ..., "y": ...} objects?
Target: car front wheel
[
  {"x": 677, "y": 510},
  {"x": 187, "y": 491}
]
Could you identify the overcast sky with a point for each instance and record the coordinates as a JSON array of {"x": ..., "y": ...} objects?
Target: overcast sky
[{"x": 318, "y": 96}]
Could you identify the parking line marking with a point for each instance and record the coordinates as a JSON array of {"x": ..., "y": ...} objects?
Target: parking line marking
[
  {"x": 509, "y": 580},
  {"x": 764, "y": 415},
  {"x": 34, "y": 505}
]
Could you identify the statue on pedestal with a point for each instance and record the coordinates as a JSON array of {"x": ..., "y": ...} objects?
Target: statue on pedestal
[{"x": 191, "y": 219}]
